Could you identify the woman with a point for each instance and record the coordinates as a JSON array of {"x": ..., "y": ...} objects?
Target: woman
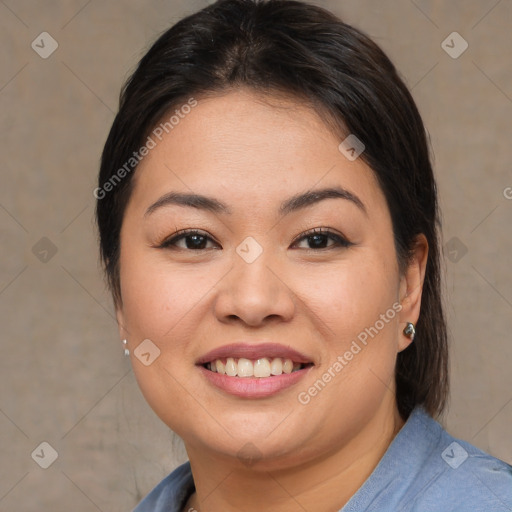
[{"x": 268, "y": 222}]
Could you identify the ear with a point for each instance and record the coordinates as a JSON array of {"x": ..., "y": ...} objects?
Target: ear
[
  {"x": 123, "y": 332},
  {"x": 411, "y": 287}
]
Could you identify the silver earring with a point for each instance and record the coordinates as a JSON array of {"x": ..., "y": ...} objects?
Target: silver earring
[
  {"x": 409, "y": 330},
  {"x": 126, "y": 351}
]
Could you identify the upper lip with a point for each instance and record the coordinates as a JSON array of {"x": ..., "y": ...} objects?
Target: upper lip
[{"x": 254, "y": 351}]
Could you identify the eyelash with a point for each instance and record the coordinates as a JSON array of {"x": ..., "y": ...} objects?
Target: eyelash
[{"x": 340, "y": 241}]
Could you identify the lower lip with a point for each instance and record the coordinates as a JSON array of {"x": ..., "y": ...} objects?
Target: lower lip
[{"x": 254, "y": 387}]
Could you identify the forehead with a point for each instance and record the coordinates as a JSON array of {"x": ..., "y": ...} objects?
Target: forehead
[{"x": 250, "y": 148}]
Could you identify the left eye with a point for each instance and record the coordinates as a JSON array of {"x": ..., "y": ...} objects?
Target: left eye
[{"x": 319, "y": 238}]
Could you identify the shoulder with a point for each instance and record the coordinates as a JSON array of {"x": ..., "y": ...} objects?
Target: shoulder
[
  {"x": 171, "y": 493},
  {"x": 460, "y": 476}
]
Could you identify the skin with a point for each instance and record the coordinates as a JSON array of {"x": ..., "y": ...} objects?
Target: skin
[{"x": 253, "y": 152}]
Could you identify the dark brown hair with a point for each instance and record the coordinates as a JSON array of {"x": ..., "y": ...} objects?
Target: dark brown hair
[{"x": 276, "y": 46}]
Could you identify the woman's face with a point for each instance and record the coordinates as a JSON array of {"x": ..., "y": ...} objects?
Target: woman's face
[{"x": 318, "y": 277}]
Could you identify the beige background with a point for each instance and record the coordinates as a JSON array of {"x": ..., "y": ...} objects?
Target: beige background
[{"x": 64, "y": 379}]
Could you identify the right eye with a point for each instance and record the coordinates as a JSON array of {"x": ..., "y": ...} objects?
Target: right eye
[{"x": 193, "y": 240}]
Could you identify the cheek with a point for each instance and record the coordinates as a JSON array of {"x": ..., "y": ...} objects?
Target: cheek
[
  {"x": 159, "y": 303},
  {"x": 350, "y": 297},
  {"x": 157, "y": 297},
  {"x": 356, "y": 309}
]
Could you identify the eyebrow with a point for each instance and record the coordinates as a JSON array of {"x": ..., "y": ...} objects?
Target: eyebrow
[{"x": 294, "y": 203}]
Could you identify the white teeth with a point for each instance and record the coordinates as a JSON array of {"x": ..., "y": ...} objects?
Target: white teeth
[
  {"x": 287, "y": 366},
  {"x": 276, "y": 367},
  {"x": 263, "y": 367},
  {"x": 231, "y": 367},
  {"x": 220, "y": 368},
  {"x": 245, "y": 368}
]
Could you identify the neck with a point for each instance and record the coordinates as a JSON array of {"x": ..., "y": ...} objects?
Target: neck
[{"x": 323, "y": 483}]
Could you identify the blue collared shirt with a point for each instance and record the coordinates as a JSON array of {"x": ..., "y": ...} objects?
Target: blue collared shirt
[{"x": 424, "y": 469}]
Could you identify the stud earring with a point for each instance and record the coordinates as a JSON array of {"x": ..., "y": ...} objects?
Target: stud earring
[
  {"x": 410, "y": 331},
  {"x": 126, "y": 351}
]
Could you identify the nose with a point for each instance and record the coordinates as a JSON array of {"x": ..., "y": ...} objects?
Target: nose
[{"x": 254, "y": 293}]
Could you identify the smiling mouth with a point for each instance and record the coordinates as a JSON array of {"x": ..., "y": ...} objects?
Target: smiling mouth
[{"x": 259, "y": 368}]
